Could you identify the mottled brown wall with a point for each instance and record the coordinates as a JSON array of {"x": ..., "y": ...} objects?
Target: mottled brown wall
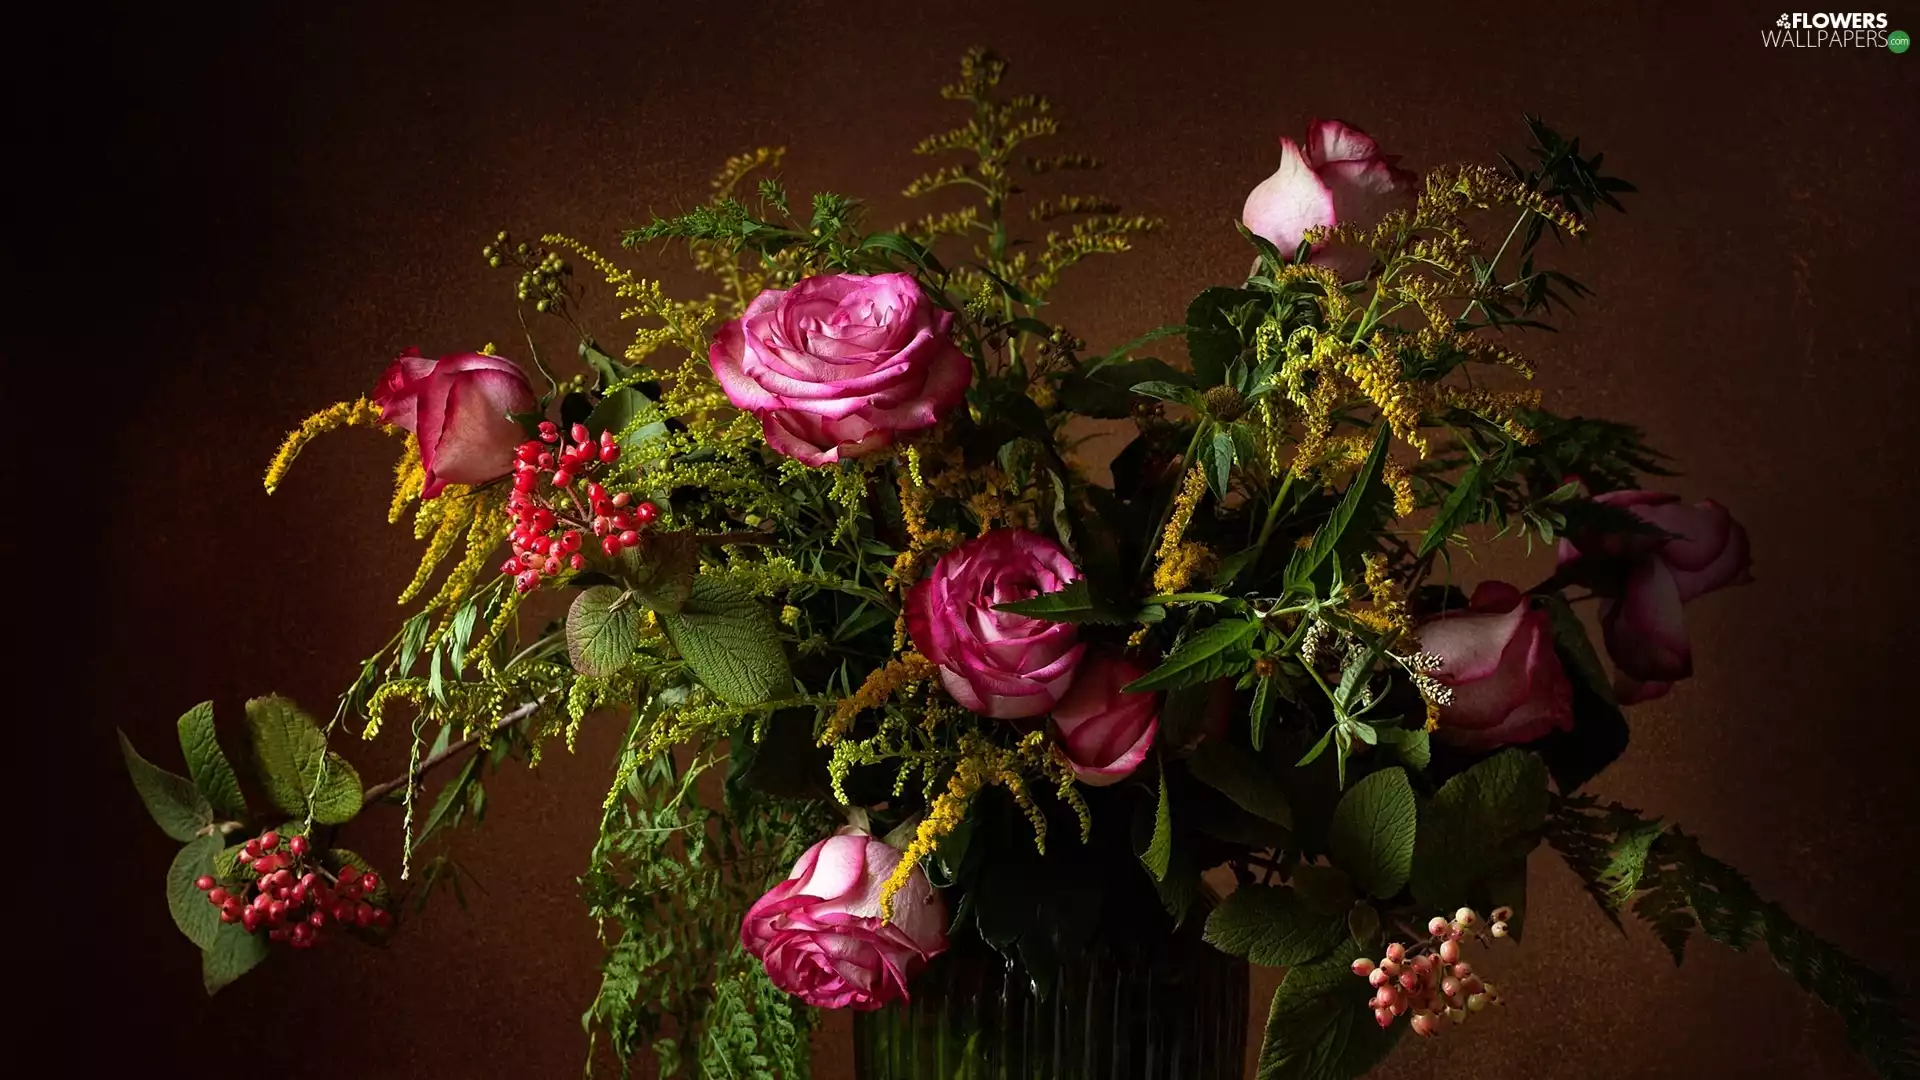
[{"x": 298, "y": 191}]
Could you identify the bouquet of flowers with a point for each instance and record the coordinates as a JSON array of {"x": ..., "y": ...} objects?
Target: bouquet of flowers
[{"x": 916, "y": 677}]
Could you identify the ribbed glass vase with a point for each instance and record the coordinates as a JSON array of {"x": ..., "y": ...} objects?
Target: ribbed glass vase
[{"x": 1172, "y": 1009}]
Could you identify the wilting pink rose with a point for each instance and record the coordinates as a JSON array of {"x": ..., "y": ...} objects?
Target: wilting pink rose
[
  {"x": 458, "y": 406},
  {"x": 995, "y": 662},
  {"x": 1339, "y": 177},
  {"x": 1497, "y": 656},
  {"x": 838, "y": 364},
  {"x": 1106, "y": 734},
  {"x": 820, "y": 932},
  {"x": 1651, "y": 578}
]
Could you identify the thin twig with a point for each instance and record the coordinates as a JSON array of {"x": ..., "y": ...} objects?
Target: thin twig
[{"x": 382, "y": 790}]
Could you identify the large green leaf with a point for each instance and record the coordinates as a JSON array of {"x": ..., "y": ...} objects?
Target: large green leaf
[
  {"x": 660, "y": 569},
  {"x": 208, "y": 766},
  {"x": 1319, "y": 1027},
  {"x": 176, "y": 804},
  {"x": 1240, "y": 777},
  {"x": 731, "y": 642},
  {"x": 1372, "y": 834},
  {"x": 1354, "y": 511},
  {"x": 1211, "y": 654},
  {"x": 1271, "y": 927},
  {"x": 1478, "y": 824},
  {"x": 295, "y": 766},
  {"x": 195, "y": 917},
  {"x": 1455, "y": 512},
  {"x": 603, "y": 628},
  {"x": 234, "y": 953}
]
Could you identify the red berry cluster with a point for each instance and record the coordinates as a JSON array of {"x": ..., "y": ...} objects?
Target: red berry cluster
[
  {"x": 547, "y": 538},
  {"x": 293, "y": 897},
  {"x": 1430, "y": 979}
]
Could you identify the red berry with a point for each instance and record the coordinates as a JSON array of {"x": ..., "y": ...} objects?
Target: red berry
[
  {"x": 577, "y": 561},
  {"x": 609, "y": 454},
  {"x": 269, "y": 840},
  {"x": 645, "y": 513},
  {"x": 622, "y": 499},
  {"x": 277, "y": 910},
  {"x": 342, "y": 911},
  {"x": 369, "y": 882},
  {"x": 580, "y": 433},
  {"x": 217, "y": 896},
  {"x": 300, "y": 936},
  {"x": 227, "y": 915},
  {"x": 278, "y": 933},
  {"x": 561, "y": 478},
  {"x": 317, "y": 920},
  {"x": 382, "y": 918},
  {"x": 250, "y": 919},
  {"x": 610, "y": 545},
  {"x": 629, "y": 538},
  {"x": 252, "y": 848},
  {"x": 203, "y": 883},
  {"x": 607, "y": 438},
  {"x": 570, "y": 541},
  {"x": 363, "y": 915},
  {"x": 549, "y": 432}
]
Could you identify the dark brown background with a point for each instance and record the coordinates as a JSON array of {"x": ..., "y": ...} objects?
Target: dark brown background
[{"x": 273, "y": 202}]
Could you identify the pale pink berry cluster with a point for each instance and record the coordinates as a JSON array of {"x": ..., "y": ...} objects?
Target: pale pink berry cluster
[
  {"x": 547, "y": 536},
  {"x": 1429, "y": 978}
]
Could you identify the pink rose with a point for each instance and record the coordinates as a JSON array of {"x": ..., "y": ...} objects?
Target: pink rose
[
  {"x": 1105, "y": 733},
  {"x": 820, "y": 933},
  {"x": 1498, "y": 658},
  {"x": 1642, "y": 619},
  {"x": 1339, "y": 177},
  {"x": 995, "y": 662},
  {"x": 458, "y": 406},
  {"x": 838, "y": 364}
]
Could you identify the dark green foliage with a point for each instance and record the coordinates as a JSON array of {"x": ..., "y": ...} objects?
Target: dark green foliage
[{"x": 1628, "y": 861}]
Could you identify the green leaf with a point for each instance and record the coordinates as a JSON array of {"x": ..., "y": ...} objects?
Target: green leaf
[
  {"x": 1214, "y": 319},
  {"x": 296, "y": 766},
  {"x": 1166, "y": 391},
  {"x": 731, "y": 642},
  {"x": 176, "y": 804},
  {"x": 1599, "y": 734},
  {"x": 1240, "y": 777},
  {"x": 1219, "y": 456},
  {"x": 195, "y": 917},
  {"x": 1211, "y": 654},
  {"x": 660, "y": 569},
  {"x": 621, "y": 412},
  {"x": 603, "y": 628},
  {"x": 1355, "y": 511},
  {"x": 1414, "y": 745},
  {"x": 1271, "y": 927},
  {"x": 1265, "y": 701},
  {"x": 1478, "y": 823},
  {"x": 1319, "y": 1027},
  {"x": 1073, "y": 604},
  {"x": 1372, "y": 834},
  {"x": 208, "y": 766},
  {"x": 234, "y": 953},
  {"x": 603, "y": 365},
  {"x": 1457, "y": 511},
  {"x": 1160, "y": 848}
]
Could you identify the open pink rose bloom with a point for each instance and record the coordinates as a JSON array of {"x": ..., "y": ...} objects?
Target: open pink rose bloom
[
  {"x": 1106, "y": 733},
  {"x": 821, "y": 934},
  {"x": 996, "y": 663},
  {"x": 837, "y": 365}
]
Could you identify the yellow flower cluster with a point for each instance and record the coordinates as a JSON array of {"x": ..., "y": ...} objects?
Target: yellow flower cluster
[
  {"x": 979, "y": 764},
  {"x": 356, "y": 413},
  {"x": 1186, "y": 563},
  {"x": 1387, "y": 612},
  {"x": 879, "y": 687}
]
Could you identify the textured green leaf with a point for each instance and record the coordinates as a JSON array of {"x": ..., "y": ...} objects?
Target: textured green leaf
[
  {"x": 1354, "y": 510},
  {"x": 208, "y": 766},
  {"x": 195, "y": 917},
  {"x": 660, "y": 569},
  {"x": 1271, "y": 927},
  {"x": 1073, "y": 604},
  {"x": 176, "y": 804},
  {"x": 1160, "y": 848},
  {"x": 295, "y": 765},
  {"x": 603, "y": 627},
  {"x": 731, "y": 642},
  {"x": 1208, "y": 655},
  {"x": 1414, "y": 745},
  {"x": 1372, "y": 834},
  {"x": 1240, "y": 777},
  {"x": 1265, "y": 701},
  {"x": 1478, "y": 823},
  {"x": 1219, "y": 462},
  {"x": 234, "y": 953},
  {"x": 1455, "y": 512},
  {"x": 623, "y": 412},
  {"x": 1319, "y": 1026}
]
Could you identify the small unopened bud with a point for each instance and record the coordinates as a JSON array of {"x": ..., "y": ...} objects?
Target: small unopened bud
[
  {"x": 1396, "y": 951},
  {"x": 1502, "y": 914},
  {"x": 1383, "y": 1017},
  {"x": 1498, "y": 929},
  {"x": 1466, "y": 918},
  {"x": 1437, "y": 925},
  {"x": 1425, "y": 1025},
  {"x": 1362, "y": 967},
  {"x": 1450, "y": 951},
  {"x": 1375, "y": 976},
  {"x": 1477, "y": 1002}
]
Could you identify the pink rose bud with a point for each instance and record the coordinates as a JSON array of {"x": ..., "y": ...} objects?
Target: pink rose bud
[
  {"x": 1106, "y": 734},
  {"x": 1339, "y": 177},
  {"x": 820, "y": 933},
  {"x": 1647, "y": 580},
  {"x": 996, "y": 663},
  {"x": 838, "y": 364},
  {"x": 1498, "y": 658},
  {"x": 459, "y": 407}
]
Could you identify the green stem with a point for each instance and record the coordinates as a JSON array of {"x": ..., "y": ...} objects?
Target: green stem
[{"x": 1273, "y": 511}]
